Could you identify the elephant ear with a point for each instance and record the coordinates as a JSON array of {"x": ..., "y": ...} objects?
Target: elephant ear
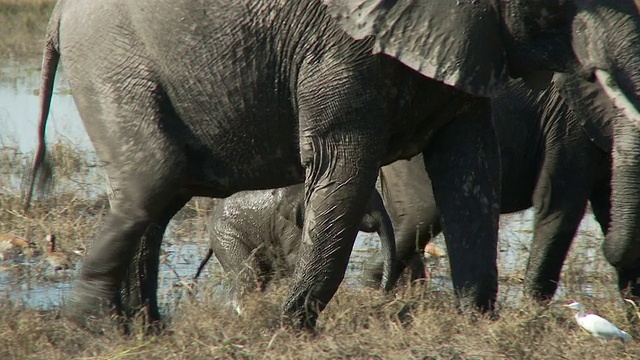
[
  {"x": 591, "y": 106},
  {"x": 456, "y": 41}
]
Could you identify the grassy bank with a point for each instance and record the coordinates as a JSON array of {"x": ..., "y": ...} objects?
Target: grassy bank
[
  {"x": 22, "y": 25},
  {"x": 418, "y": 324}
]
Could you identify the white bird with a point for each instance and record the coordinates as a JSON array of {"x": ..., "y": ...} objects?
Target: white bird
[{"x": 597, "y": 326}]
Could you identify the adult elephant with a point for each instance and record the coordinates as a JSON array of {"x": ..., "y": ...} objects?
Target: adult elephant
[
  {"x": 556, "y": 149},
  {"x": 255, "y": 235},
  {"x": 207, "y": 98}
]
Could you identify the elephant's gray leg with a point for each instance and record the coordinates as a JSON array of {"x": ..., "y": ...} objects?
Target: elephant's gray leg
[
  {"x": 463, "y": 162},
  {"x": 241, "y": 262},
  {"x": 141, "y": 284},
  {"x": 103, "y": 269},
  {"x": 408, "y": 196},
  {"x": 105, "y": 265},
  {"x": 145, "y": 185},
  {"x": 560, "y": 198},
  {"x": 417, "y": 268},
  {"x": 341, "y": 170},
  {"x": 377, "y": 219},
  {"x": 409, "y": 246},
  {"x": 341, "y": 178}
]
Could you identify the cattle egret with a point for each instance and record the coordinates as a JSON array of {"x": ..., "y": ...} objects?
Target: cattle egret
[{"x": 597, "y": 326}]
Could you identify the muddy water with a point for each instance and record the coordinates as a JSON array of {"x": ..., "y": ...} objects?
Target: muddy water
[{"x": 18, "y": 119}]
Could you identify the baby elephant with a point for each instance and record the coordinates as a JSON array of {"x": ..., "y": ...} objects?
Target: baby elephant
[{"x": 256, "y": 236}]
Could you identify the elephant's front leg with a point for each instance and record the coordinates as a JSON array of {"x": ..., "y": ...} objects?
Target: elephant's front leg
[
  {"x": 565, "y": 181},
  {"x": 341, "y": 169},
  {"x": 463, "y": 162},
  {"x": 340, "y": 181}
]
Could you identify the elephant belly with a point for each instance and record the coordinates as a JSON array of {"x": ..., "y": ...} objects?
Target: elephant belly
[
  {"x": 421, "y": 107},
  {"x": 225, "y": 85}
]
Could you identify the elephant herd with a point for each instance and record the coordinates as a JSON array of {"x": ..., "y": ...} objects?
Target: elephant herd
[
  {"x": 549, "y": 161},
  {"x": 504, "y": 104}
]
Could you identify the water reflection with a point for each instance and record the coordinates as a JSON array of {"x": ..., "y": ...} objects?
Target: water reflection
[
  {"x": 19, "y": 86},
  {"x": 18, "y": 121}
]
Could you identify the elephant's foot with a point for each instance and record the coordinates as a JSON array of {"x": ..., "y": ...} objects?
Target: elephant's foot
[
  {"x": 473, "y": 302},
  {"x": 299, "y": 313},
  {"x": 144, "y": 319},
  {"x": 539, "y": 293},
  {"x": 629, "y": 283},
  {"x": 90, "y": 304},
  {"x": 372, "y": 274}
]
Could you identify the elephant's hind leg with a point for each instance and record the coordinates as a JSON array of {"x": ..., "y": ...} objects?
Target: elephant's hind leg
[
  {"x": 105, "y": 265},
  {"x": 141, "y": 285},
  {"x": 145, "y": 164}
]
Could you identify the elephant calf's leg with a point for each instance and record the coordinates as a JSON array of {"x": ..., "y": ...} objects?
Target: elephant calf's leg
[{"x": 241, "y": 262}]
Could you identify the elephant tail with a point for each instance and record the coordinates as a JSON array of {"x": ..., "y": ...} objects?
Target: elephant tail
[
  {"x": 41, "y": 172},
  {"x": 203, "y": 263}
]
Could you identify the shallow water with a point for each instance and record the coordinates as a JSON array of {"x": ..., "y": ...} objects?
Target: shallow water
[
  {"x": 19, "y": 108},
  {"x": 18, "y": 120}
]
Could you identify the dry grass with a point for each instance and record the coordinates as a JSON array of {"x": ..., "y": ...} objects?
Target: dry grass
[
  {"x": 22, "y": 25},
  {"x": 419, "y": 323},
  {"x": 74, "y": 208}
]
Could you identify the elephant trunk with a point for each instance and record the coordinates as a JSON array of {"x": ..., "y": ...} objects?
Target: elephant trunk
[
  {"x": 607, "y": 45},
  {"x": 622, "y": 246},
  {"x": 606, "y": 42}
]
